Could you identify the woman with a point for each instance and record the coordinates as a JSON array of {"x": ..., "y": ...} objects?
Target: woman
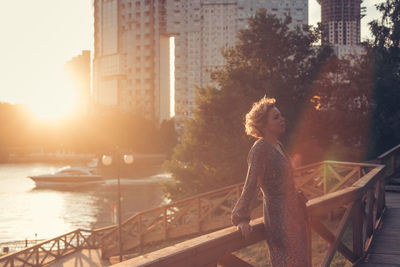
[{"x": 270, "y": 170}]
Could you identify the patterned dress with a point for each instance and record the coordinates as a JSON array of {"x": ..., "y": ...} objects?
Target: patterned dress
[{"x": 284, "y": 213}]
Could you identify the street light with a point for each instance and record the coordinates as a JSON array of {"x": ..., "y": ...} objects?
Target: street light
[{"x": 107, "y": 161}]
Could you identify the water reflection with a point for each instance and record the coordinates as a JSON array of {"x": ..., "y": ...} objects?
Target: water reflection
[{"x": 26, "y": 210}]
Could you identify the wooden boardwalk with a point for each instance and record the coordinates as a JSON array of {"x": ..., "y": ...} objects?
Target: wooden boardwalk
[{"x": 385, "y": 249}]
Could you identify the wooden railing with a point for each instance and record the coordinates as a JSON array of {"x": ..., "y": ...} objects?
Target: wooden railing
[
  {"x": 211, "y": 211},
  {"x": 194, "y": 216},
  {"x": 361, "y": 205},
  {"x": 53, "y": 249},
  {"x": 391, "y": 159}
]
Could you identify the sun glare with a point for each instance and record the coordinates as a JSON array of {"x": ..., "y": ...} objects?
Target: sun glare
[{"x": 57, "y": 99}]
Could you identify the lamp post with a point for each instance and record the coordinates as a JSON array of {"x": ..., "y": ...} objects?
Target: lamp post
[{"x": 107, "y": 161}]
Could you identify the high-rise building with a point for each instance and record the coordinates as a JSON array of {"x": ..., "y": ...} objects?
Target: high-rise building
[
  {"x": 134, "y": 40},
  {"x": 131, "y": 56},
  {"x": 341, "y": 25},
  {"x": 78, "y": 69}
]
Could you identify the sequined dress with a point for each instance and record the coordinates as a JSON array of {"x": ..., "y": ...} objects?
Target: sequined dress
[{"x": 284, "y": 213}]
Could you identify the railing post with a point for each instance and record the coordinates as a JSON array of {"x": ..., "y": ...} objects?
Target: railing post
[
  {"x": 37, "y": 256},
  {"x": 358, "y": 242},
  {"x": 198, "y": 215},
  {"x": 140, "y": 233},
  {"x": 370, "y": 213},
  {"x": 325, "y": 178},
  {"x": 58, "y": 247},
  {"x": 77, "y": 238},
  {"x": 165, "y": 224}
]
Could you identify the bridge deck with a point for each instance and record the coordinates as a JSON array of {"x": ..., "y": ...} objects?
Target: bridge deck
[{"x": 385, "y": 250}]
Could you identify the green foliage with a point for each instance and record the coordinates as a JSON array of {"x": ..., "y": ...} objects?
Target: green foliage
[
  {"x": 339, "y": 119},
  {"x": 270, "y": 58},
  {"x": 385, "y": 52}
]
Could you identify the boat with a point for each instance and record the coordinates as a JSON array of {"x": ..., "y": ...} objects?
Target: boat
[{"x": 69, "y": 176}]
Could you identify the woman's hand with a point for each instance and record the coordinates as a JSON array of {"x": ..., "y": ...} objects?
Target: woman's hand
[{"x": 245, "y": 229}]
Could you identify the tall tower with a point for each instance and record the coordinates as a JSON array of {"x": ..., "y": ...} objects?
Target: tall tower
[{"x": 341, "y": 21}]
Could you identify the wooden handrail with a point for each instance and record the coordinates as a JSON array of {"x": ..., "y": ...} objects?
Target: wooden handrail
[
  {"x": 389, "y": 152},
  {"x": 391, "y": 159},
  {"x": 165, "y": 221},
  {"x": 360, "y": 200},
  {"x": 211, "y": 211},
  {"x": 200, "y": 251},
  {"x": 49, "y": 250}
]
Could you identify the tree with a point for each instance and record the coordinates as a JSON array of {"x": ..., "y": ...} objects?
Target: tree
[
  {"x": 338, "y": 120},
  {"x": 385, "y": 52},
  {"x": 269, "y": 59}
]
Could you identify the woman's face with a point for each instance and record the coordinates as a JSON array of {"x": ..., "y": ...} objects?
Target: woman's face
[{"x": 275, "y": 122}]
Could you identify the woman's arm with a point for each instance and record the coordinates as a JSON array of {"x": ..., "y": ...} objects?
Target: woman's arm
[{"x": 255, "y": 172}]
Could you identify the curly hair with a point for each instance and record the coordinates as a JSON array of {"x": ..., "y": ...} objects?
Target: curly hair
[{"x": 257, "y": 116}]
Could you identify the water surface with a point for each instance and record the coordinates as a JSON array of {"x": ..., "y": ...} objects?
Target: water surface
[{"x": 28, "y": 212}]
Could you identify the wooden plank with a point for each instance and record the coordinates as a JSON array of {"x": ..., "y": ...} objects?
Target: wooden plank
[
  {"x": 370, "y": 178},
  {"x": 391, "y": 151},
  {"x": 347, "y": 163},
  {"x": 392, "y": 188},
  {"x": 200, "y": 251},
  {"x": 377, "y": 265},
  {"x": 393, "y": 200},
  {"x": 388, "y": 246},
  {"x": 322, "y": 205},
  {"x": 382, "y": 259}
]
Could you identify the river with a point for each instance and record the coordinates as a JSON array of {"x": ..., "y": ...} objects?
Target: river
[{"x": 28, "y": 212}]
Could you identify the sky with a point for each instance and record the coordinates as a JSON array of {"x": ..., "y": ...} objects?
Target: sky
[{"x": 39, "y": 37}]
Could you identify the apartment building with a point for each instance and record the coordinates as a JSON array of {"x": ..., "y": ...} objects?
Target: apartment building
[{"x": 134, "y": 40}]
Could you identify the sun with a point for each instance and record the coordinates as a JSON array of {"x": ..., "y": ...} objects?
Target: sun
[{"x": 56, "y": 100}]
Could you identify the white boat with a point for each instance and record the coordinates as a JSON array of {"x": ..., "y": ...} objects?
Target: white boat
[{"x": 69, "y": 176}]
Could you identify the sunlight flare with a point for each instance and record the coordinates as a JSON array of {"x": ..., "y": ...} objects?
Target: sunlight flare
[{"x": 57, "y": 99}]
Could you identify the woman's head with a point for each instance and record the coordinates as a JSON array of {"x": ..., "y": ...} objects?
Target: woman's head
[{"x": 264, "y": 118}]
